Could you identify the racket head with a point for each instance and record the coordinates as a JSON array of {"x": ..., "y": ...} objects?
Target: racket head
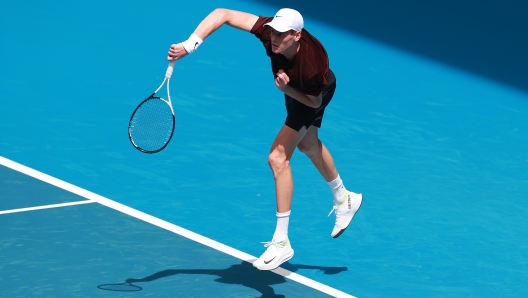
[{"x": 151, "y": 126}]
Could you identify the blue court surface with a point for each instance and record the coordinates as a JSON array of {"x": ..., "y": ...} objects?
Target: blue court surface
[{"x": 428, "y": 122}]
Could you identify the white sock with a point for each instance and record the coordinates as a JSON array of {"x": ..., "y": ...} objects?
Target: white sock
[
  {"x": 338, "y": 189},
  {"x": 281, "y": 231}
]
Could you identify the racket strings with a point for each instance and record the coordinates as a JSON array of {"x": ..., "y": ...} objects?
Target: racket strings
[{"x": 152, "y": 125}]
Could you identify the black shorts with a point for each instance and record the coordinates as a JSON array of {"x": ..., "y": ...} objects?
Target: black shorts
[{"x": 300, "y": 115}]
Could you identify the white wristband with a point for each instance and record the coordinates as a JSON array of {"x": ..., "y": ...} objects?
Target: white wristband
[{"x": 192, "y": 43}]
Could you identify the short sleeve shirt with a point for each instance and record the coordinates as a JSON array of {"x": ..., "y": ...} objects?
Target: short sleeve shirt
[{"x": 308, "y": 71}]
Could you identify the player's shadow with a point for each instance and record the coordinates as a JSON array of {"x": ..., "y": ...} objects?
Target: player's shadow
[
  {"x": 324, "y": 269},
  {"x": 239, "y": 274}
]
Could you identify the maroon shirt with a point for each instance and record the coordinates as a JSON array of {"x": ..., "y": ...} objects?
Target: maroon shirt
[{"x": 308, "y": 72}]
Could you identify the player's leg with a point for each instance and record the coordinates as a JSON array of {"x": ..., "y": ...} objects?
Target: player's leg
[
  {"x": 323, "y": 161},
  {"x": 279, "y": 161},
  {"x": 318, "y": 154},
  {"x": 346, "y": 203},
  {"x": 279, "y": 249}
]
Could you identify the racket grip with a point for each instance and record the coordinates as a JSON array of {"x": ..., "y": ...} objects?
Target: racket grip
[{"x": 168, "y": 74}]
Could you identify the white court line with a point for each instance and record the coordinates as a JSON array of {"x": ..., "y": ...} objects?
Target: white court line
[
  {"x": 167, "y": 226},
  {"x": 46, "y": 206}
]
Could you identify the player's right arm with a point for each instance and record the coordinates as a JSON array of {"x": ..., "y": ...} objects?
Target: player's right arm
[
  {"x": 217, "y": 18},
  {"x": 237, "y": 19}
]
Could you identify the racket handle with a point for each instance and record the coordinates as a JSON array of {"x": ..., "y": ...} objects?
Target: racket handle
[{"x": 168, "y": 74}]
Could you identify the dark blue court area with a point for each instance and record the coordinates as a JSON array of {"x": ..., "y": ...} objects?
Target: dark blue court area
[
  {"x": 428, "y": 122},
  {"x": 93, "y": 251}
]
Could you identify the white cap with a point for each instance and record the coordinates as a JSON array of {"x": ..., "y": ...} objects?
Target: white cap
[{"x": 287, "y": 19}]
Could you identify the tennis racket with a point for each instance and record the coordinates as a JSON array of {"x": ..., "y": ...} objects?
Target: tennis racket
[{"x": 152, "y": 124}]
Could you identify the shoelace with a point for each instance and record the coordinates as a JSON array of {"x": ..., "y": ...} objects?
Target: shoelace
[
  {"x": 337, "y": 206},
  {"x": 269, "y": 252},
  {"x": 270, "y": 243},
  {"x": 337, "y": 212},
  {"x": 333, "y": 209}
]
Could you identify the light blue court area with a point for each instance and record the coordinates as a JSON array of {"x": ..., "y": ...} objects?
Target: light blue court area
[{"x": 428, "y": 122}]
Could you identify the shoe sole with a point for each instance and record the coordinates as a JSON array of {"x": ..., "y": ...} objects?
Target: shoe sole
[
  {"x": 343, "y": 230},
  {"x": 264, "y": 268}
]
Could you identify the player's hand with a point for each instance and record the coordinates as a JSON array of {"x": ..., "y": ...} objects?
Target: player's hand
[
  {"x": 282, "y": 80},
  {"x": 176, "y": 51}
]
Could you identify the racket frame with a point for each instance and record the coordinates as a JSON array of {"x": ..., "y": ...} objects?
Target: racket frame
[{"x": 168, "y": 101}]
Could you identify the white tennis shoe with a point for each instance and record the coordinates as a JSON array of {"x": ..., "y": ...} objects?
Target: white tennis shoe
[
  {"x": 276, "y": 254},
  {"x": 345, "y": 211}
]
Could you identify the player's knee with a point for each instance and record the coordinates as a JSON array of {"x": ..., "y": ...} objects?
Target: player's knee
[
  {"x": 310, "y": 148},
  {"x": 277, "y": 161}
]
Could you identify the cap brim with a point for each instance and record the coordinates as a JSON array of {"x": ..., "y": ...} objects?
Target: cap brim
[{"x": 278, "y": 27}]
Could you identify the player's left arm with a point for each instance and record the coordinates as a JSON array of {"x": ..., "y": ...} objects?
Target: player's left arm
[{"x": 282, "y": 80}]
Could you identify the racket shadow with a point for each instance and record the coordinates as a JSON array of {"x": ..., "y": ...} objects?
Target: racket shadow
[
  {"x": 240, "y": 274},
  {"x": 120, "y": 287}
]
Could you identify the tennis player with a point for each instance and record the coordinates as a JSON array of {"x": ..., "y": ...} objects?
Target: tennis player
[{"x": 300, "y": 66}]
